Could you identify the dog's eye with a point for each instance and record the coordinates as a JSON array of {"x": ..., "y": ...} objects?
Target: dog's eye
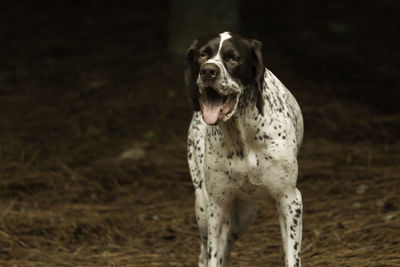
[
  {"x": 203, "y": 56},
  {"x": 232, "y": 59}
]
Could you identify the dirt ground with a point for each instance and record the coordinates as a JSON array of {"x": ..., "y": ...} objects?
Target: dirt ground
[{"x": 93, "y": 130}]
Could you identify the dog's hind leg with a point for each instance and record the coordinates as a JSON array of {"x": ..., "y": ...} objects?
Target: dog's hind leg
[{"x": 244, "y": 213}]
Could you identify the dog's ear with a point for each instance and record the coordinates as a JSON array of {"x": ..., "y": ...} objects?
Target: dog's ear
[
  {"x": 190, "y": 71},
  {"x": 259, "y": 69}
]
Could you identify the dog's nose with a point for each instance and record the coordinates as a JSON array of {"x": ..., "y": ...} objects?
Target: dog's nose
[{"x": 209, "y": 72}]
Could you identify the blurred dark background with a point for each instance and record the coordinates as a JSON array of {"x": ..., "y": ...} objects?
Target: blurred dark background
[
  {"x": 94, "y": 115},
  {"x": 352, "y": 45},
  {"x": 337, "y": 50}
]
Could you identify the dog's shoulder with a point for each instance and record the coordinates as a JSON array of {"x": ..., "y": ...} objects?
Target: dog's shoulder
[
  {"x": 285, "y": 112},
  {"x": 195, "y": 147},
  {"x": 197, "y": 128}
]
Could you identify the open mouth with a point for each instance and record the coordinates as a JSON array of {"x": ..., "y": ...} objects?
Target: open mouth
[{"x": 215, "y": 107}]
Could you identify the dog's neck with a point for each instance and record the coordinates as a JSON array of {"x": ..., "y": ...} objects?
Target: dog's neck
[{"x": 241, "y": 131}]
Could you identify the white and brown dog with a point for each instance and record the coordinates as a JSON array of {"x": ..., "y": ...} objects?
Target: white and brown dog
[{"x": 243, "y": 142}]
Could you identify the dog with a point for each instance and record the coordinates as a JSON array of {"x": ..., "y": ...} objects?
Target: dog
[{"x": 243, "y": 142}]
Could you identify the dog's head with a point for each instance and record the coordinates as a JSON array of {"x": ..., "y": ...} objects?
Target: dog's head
[{"x": 219, "y": 70}]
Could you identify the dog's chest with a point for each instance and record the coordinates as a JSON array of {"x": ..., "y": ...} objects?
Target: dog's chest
[{"x": 231, "y": 170}]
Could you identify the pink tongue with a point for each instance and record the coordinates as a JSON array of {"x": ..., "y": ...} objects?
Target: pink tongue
[{"x": 211, "y": 111}]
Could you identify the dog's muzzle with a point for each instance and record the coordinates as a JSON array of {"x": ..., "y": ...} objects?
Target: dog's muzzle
[{"x": 218, "y": 98}]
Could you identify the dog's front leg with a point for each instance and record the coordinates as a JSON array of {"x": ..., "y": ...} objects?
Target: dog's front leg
[
  {"x": 219, "y": 234},
  {"x": 290, "y": 208}
]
